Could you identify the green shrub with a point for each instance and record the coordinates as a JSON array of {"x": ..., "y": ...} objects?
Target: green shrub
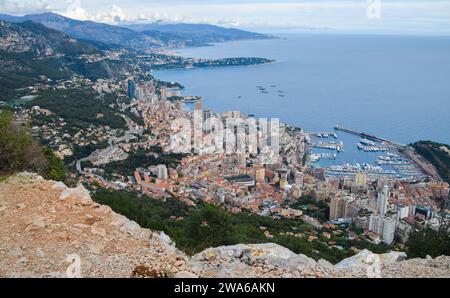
[
  {"x": 15, "y": 144},
  {"x": 428, "y": 241},
  {"x": 18, "y": 152},
  {"x": 195, "y": 229},
  {"x": 56, "y": 170}
]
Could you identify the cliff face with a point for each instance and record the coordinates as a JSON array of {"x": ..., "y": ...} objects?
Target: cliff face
[
  {"x": 49, "y": 230},
  {"x": 40, "y": 41},
  {"x": 273, "y": 260}
]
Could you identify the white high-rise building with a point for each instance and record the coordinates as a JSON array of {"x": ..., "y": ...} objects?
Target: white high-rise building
[
  {"x": 346, "y": 208},
  {"x": 233, "y": 114},
  {"x": 403, "y": 211},
  {"x": 388, "y": 230},
  {"x": 163, "y": 91},
  {"x": 153, "y": 99},
  {"x": 336, "y": 207},
  {"x": 162, "y": 172},
  {"x": 299, "y": 179},
  {"x": 361, "y": 222},
  {"x": 360, "y": 179},
  {"x": 383, "y": 201},
  {"x": 375, "y": 224},
  {"x": 179, "y": 105},
  {"x": 198, "y": 105}
]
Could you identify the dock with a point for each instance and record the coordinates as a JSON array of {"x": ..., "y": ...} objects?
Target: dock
[
  {"x": 367, "y": 136},
  {"x": 324, "y": 134}
]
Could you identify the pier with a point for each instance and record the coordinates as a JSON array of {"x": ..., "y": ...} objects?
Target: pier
[
  {"x": 366, "y": 135},
  {"x": 324, "y": 134},
  {"x": 328, "y": 145}
]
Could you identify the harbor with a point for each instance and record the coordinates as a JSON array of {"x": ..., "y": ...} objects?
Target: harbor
[
  {"x": 375, "y": 156},
  {"x": 339, "y": 147},
  {"x": 365, "y": 135},
  {"x": 371, "y": 146}
]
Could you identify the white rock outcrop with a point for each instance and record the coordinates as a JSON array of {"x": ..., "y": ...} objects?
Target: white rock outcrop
[
  {"x": 64, "y": 221},
  {"x": 367, "y": 258},
  {"x": 79, "y": 193}
]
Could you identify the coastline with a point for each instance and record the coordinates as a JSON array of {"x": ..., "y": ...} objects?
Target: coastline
[
  {"x": 319, "y": 91},
  {"x": 357, "y": 156}
]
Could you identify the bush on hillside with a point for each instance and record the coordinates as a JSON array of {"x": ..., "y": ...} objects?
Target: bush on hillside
[
  {"x": 18, "y": 152},
  {"x": 429, "y": 241}
]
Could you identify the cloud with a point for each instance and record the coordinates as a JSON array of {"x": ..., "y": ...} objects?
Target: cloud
[
  {"x": 75, "y": 11},
  {"x": 114, "y": 15},
  {"x": 24, "y": 7},
  {"x": 255, "y": 14}
]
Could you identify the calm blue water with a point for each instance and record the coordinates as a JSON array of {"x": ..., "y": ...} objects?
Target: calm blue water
[{"x": 397, "y": 87}]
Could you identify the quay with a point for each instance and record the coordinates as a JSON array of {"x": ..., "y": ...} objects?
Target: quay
[
  {"x": 366, "y": 135},
  {"x": 328, "y": 145},
  {"x": 323, "y": 134},
  {"x": 409, "y": 151}
]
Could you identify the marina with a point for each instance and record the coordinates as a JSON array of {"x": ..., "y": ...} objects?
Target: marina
[
  {"x": 308, "y": 104},
  {"x": 374, "y": 156},
  {"x": 375, "y": 148},
  {"x": 329, "y": 145},
  {"x": 328, "y": 156},
  {"x": 303, "y": 109},
  {"x": 371, "y": 146},
  {"x": 314, "y": 157},
  {"x": 324, "y": 134},
  {"x": 366, "y": 136}
]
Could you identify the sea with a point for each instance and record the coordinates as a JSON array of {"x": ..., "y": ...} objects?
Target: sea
[{"x": 394, "y": 87}]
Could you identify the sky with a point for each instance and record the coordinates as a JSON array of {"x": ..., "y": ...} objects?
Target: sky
[{"x": 360, "y": 16}]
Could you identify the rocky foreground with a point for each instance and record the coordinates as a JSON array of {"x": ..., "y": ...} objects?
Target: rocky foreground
[{"x": 50, "y": 230}]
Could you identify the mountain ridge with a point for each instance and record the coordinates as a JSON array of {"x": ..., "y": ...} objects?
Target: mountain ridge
[
  {"x": 40, "y": 40},
  {"x": 31, "y": 53},
  {"x": 89, "y": 30},
  {"x": 198, "y": 33},
  {"x": 153, "y": 35}
]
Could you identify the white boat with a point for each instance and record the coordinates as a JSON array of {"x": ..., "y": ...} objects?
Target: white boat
[
  {"x": 314, "y": 157},
  {"x": 367, "y": 142}
]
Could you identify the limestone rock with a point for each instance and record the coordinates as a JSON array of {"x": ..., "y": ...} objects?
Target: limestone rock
[
  {"x": 241, "y": 260},
  {"x": 98, "y": 231},
  {"x": 118, "y": 220},
  {"x": 392, "y": 257},
  {"x": 53, "y": 222},
  {"x": 185, "y": 274},
  {"x": 130, "y": 227},
  {"x": 366, "y": 258},
  {"x": 59, "y": 186},
  {"x": 20, "y": 206},
  {"x": 79, "y": 193},
  {"x": 44, "y": 222}
]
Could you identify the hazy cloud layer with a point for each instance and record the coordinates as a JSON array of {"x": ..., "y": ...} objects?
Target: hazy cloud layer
[
  {"x": 23, "y": 7},
  {"x": 393, "y": 16}
]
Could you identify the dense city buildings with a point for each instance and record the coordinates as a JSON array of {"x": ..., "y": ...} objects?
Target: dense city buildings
[
  {"x": 167, "y": 145},
  {"x": 380, "y": 205},
  {"x": 131, "y": 89},
  {"x": 110, "y": 166}
]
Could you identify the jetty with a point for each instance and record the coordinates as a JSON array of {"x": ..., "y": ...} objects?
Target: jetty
[{"x": 367, "y": 136}]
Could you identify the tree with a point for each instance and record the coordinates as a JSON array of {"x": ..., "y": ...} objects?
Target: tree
[
  {"x": 429, "y": 241},
  {"x": 210, "y": 226},
  {"x": 15, "y": 144},
  {"x": 18, "y": 152},
  {"x": 56, "y": 170}
]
